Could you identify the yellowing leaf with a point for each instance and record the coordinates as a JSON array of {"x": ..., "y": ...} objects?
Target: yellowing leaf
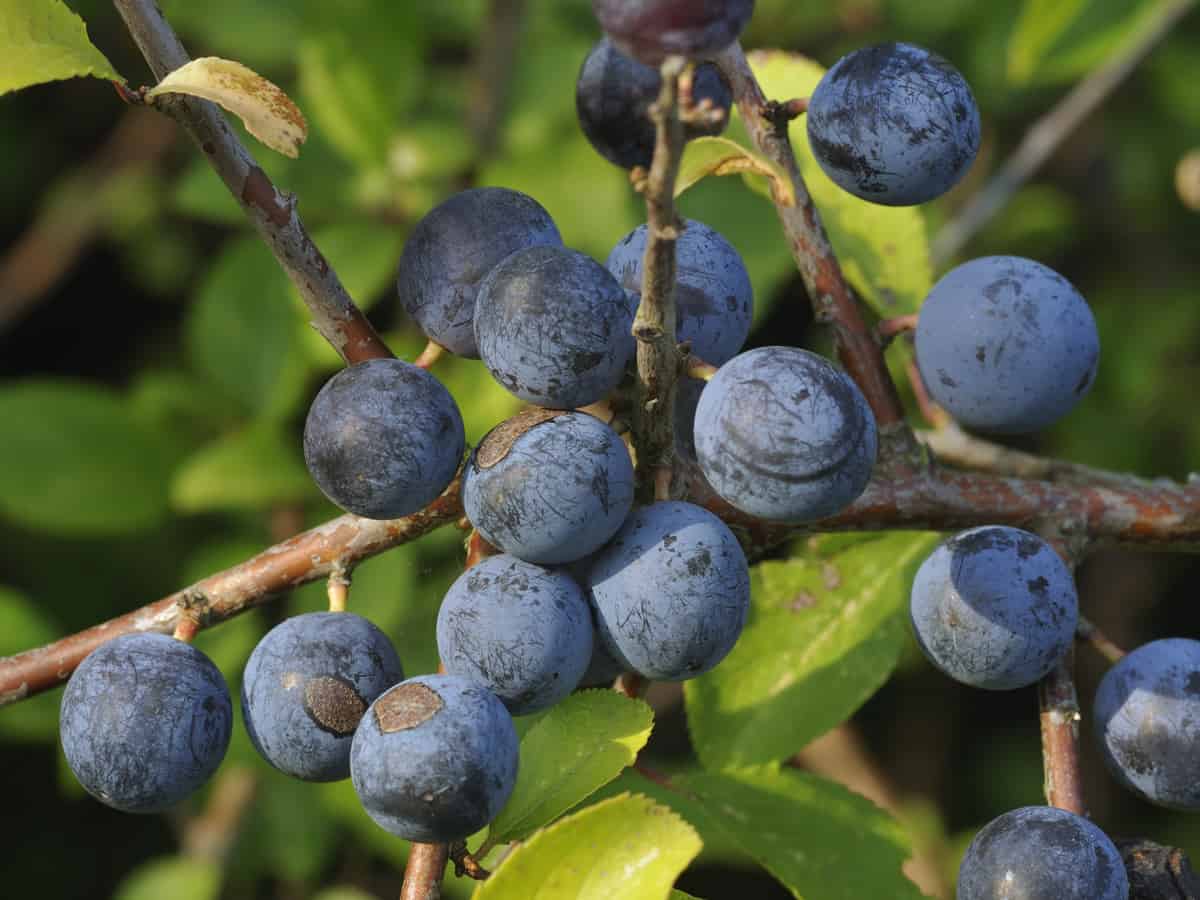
[
  {"x": 267, "y": 112},
  {"x": 721, "y": 156},
  {"x": 45, "y": 41}
]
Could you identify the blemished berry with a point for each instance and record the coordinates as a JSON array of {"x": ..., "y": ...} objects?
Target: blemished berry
[
  {"x": 671, "y": 591},
  {"x": 893, "y": 124},
  {"x": 994, "y": 607},
  {"x": 651, "y": 30},
  {"x": 714, "y": 302},
  {"x": 522, "y": 631},
  {"x": 1042, "y": 853},
  {"x": 145, "y": 720},
  {"x": 1147, "y": 719},
  {"x": 434, "y": 758},
  {"x": 307, "y": 685},
  {"x": 383, "y": 439},
  {"x": 452, "y": 249},
  {"x": 553, "y": 327},
  {"x": 549, "y": 486},
  {"x": 613, "y": 97},
  {"x": 1006, "y": 345},
  {"x": 783, "y": 435}
]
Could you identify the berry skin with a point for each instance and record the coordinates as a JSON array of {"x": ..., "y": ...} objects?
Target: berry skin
[
  {"x": 452, "y": 249},
  {"x": 783, "y": 435},
  {"x": 671, "y": 591},
  {"x": 651, "y": 30},
  {"x": 893, "y": 124},
  {"x": 145, "y": 721},
  {"x": 434, "y": 758},
  {"x": 714, "y": 301},
  {"x": 519, "y": 630},
  {"x": 307, "y": 685},
  {"x": 1042, "y": 853},
  {"x": 994, "y": 607},
  {"x": 549, "y": 487},
  {"x": 383, "y": 439},
  {"x": 613, "y": 97},
  {"x": 1006, "y": 345},
  {"x": 553, "y": 327},
  {"x": 1148, "y": 722}
]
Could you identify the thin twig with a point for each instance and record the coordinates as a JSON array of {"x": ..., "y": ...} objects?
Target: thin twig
[
  {"x": 1085, "y": 630},
  {"x": 211, "y": 835},
  {"x": 423, "y": 874},
  {"x": 1060, "y": 737},
  {"x": 1048, "y": 133},
  {"x": 272, "y": 213}
]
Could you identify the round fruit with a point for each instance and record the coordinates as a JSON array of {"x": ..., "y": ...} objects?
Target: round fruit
[
  {"x": 671, "y": 591},
  {"x": 1006, "y": 344},
  {"x": 714, "y": 302},
  {"x": 145, "y": 720},
  {"x": 893, "y": 124},
  {"x": 613, "y": 97},
  {"x": 994, "y": 607},
  {"x": 1148, "y": 722},
  {"x": 307, "y": 684},
  {"x": 383, "y": 439},
  {"x": 452, "y": 249},
  {"x": 549, "y": 486},
  {"x": 783, "y": 435},
  {"x": 434, "y": 759},
  {"x": 519, "y": 630},
  {"x": 651, "y": 30},
  {"x": 1042, "y": 853},
  {"x": 553, "y": 327}
]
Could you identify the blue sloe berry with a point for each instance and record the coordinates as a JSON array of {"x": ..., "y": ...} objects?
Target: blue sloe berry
[
  {"x": 893, "y": 124},
  {"x": 307, "y": 685},
  {"x": 522, "y": 631},
  {"x": 651, "y": 30},
  {"x": 994, "y": 607},
  {"x": 383, "y": 439},
  {"x": 452, "y": 249},
  {"x": 434, "y": 758},
  {"x": 782, "y": 434},
  {"x": 714, "y": 302},
  {"x": 1006, "y": 344},
  {"x": 145, "y": 720}
]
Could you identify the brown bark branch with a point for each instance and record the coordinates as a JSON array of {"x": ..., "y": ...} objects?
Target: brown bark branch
[
  {"x": 272, "y": 213},
  {"x": 833, "y": 301},
  {"x": 1060, "y": 737},
  {"x": 423, "y": 874}
]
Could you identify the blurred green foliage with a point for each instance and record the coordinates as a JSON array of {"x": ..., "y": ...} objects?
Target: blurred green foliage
[{"x": 153, "y": 403}]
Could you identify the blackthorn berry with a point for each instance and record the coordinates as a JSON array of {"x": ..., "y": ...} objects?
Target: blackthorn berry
[
  {"x": 1006, "y": 344},
  {"x": 307, "y": 684},
  {"x": 651, "y": 30},
  {"x": 383, "y": 439},
  {"x": 714, "y": 302},
  {"x": 782, "y": 434},
  {"x": 553, "y": 327},
  {"x": 1148, "y": 722},
  {"x": 994, "y": 607},
  {"x": 451, "y": 250},
  {"x": 549, "y": 487},
  {"x": 522, "y": 631},
  {"x": 671, "y": 591},
  {"x": 893, "y": 124},
  {"x": 434, "y": 758},
  {"x": 145, "y": 720}
]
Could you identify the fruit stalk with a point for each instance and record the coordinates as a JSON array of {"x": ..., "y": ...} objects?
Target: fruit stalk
[{"x": 1060, "y": 737}]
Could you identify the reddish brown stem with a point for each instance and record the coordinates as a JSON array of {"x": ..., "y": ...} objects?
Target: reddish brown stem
[
  {"x": 1060, "y": 737},
  {"x": 1088, "y": 632},
  {"x": 889, "y": 329},
  {"x": 423, "y": 874}
]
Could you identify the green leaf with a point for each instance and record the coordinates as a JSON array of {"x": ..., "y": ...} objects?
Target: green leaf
[
  {"x": 817, "y": 838},
  {"x": 884, "y": 250},
  {"x": 199, "y": 193},
  {"x": 255, "y": 468},
  {"x": 825, "y": 631},
  {"x": 624, "y": 847},
  {"x": 1039, "y": 25},
  {"x": 42, "y": 40},
  {"x": 24, "y": 626},
  {"x": 343, "y": 893},
  {"x": 241, "y": 331},
  {"x": 177, "y": 877},
  {"x": 578, "y": 746},
  {"x": 720, "y": 156},
  {"x": 680, "y": 895},
  {"x": 365, "y": 257},
  {"x": 76, "y": 461},
  {"x": 344, "y": 98}
]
